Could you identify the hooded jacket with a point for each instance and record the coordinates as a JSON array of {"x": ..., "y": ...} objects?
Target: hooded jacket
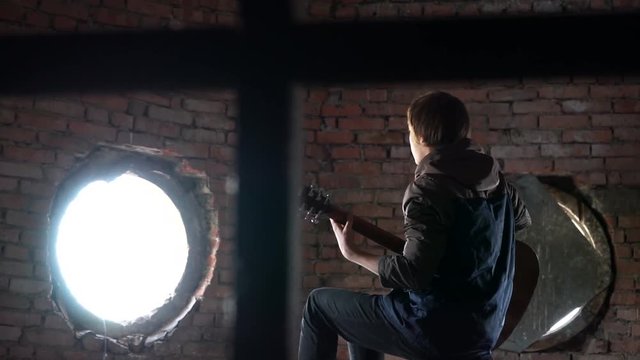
[{"x": 453, "y": 283}]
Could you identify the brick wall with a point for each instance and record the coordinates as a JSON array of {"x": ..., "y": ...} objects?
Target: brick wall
[{"x": 586, "y": 128}]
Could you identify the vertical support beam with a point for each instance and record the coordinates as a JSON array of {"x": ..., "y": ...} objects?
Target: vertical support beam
[
  {"x": 267, "y": 179},
  {"x": 266, "y": 189}
]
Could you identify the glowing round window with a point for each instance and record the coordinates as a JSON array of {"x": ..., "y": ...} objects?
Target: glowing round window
[{"x": 122, "y": 248}]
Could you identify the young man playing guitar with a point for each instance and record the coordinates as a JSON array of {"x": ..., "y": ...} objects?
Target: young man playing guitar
[{"x": 453, "y": 281}]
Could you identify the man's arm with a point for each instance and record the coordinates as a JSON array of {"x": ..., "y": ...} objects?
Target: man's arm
[
  {"x": 425, "y": 235},
  {"x": 351, "y": 252},
  {"x": 520, "y": 212}
]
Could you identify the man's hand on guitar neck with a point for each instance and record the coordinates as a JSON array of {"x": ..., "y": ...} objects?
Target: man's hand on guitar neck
[{"x": 351, "y": 252}]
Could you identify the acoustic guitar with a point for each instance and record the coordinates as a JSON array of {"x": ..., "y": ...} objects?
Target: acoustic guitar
[{"x": 315, "y": 203}]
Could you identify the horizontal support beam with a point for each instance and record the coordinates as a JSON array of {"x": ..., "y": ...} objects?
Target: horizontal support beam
[{"x": 324, "y": 53}]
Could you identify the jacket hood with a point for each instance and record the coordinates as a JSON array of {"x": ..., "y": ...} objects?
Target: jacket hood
[{"x": 463, "y": 161}]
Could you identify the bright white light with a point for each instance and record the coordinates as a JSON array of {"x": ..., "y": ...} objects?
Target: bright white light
[
  {"x": 564, "y": 321},
  {"x": 122, "y": 248}
]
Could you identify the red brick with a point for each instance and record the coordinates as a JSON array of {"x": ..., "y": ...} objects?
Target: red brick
[
  {"x": 380, "y": 138},
  {"x": 107, "y": 101},
  {"x": 334, "y": 137},
  {"x": 400, "y": 152},
  {"x": 534, "y": 136},
  {"x": 171, "y": 115},
  {"x": 19, "y": 318},
  {"x": 9, "y": 333},
  {"x": 97, "y": 115},
  {"x": 116, "y": 18},
  {"x": 488, "y": 109},
  {"x": 16, "y": 252},
  {"x": 41, "y": 122},
  {"x": 385, "y": 181},
  {"x": 21, "y": 352},
  {"x": 122, "y": 121},
  {"x": 36, "y": 188},
  {"x": 629, "y": 221},
  {"x": 564, "y": 122},
  {"x": 149, "y": 8},
  {"x": 320, "y": 9},
  {"x": 37, "y": 19},
  {"x": 61, "y": 107},
  {"x": 591, "y": 178},
  {"x": 385, "y": 109},
  {"x": 589, "y": 106},
  {"x": 357, "y": 167},
  {"x": 345, "y": 152},
  {"x": 27, "y": 286},
  {"x": 8, "y": 184},
  {"x": 151, "y": 97},
  {"x": 15, "y": 268},
  {"x": 630, "y": 314},
  {"x": 624, "y": 163},
  {"x": 626, "y": 106},
  {"x": 20, "y": 218},
  {"x": 338, "y": 181},
  {"x": 346, "y": 12},
  {"x": 509, "y": 151},
  {"x": 398, "y": 168},
  {"x": 435, "y": 9},
  {"x": 557, "y": 150},
  {"x": 633, "y": 235},
  {"x": 308, "y": 124},
  {"x": 335, "y": 267},
  {"x": 64, "y": 23},
  {"x": 577, "y": 164},
  {"x": 13, "y": 201},
  {"x": 536, "y": 107},
  {"x": 30, "y": 155},
  {"x": 156, "y": 127},
  {"x": 615, "y": 150},
  {"x": 350, "y": 281},
  {"x": 622, "y": 251},
  {"x": 615, "y": 91},
  {"x": 20, "y": 170},
  {"x": 204, "y": 106},
  {"x": 513, "y": 122},
  {"x": 116, "y": 4},
  {"x": 512, "y": 94},
  {"x": 361, "y": 123},
  {"x": 89, "y": 130},
  {"x": 532, "y": 166},
  {"x": 375, "y": 153},
  {"x": 11, "y": 12},
  {"x": 18, "y": 135},
  {"x": 354, "y": 95},
  {"x": 58, "y": 7},
  {"x": 564, "y": 92},
  {"x": 341, "y": 110},
  {"x": 198, "y": 150},
  {"x": 587, "y": 136},
  {"x": 625, "y": 346},
  {"x": 627, "y": 134},
  {"x": 470, "y": 95},
  {"x": 7, "y": 117},
  {"x": 404, "y": 96},
  {"x": 41, "y": 336},
  {"x": 21, "y": 102}
]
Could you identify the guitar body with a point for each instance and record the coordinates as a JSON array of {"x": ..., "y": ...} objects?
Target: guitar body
[{"x": 315, "y": 202}]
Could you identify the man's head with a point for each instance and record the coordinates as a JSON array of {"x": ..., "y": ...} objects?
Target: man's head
[{"x": 436, "y": 118}]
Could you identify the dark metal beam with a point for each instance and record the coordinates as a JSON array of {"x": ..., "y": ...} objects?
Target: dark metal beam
[
  {"x": 324, "y": 53},
  {"x": 267, "y": 172}
]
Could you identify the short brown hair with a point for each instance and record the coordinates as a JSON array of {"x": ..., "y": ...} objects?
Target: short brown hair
[{"x": 439, "y": 118}]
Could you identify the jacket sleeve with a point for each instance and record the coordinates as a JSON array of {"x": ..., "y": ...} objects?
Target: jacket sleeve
[
  {"x": 520, "y": 212},
  {"x": 425, "y": 243}
]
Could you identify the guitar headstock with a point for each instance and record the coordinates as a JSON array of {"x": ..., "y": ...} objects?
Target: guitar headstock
[{"x": 314, "y": 202}]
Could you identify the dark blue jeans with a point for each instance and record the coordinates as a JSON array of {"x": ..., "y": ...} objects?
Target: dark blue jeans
[{"x": 358, "y": 319}]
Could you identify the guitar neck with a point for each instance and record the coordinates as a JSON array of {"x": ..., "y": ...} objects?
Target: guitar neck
[{"x": 365, "y": 228}]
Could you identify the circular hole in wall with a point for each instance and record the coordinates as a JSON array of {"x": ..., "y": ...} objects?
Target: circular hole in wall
[
  {"x": 113, "y": 229},
  {"x": 133, "y": 236}
]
